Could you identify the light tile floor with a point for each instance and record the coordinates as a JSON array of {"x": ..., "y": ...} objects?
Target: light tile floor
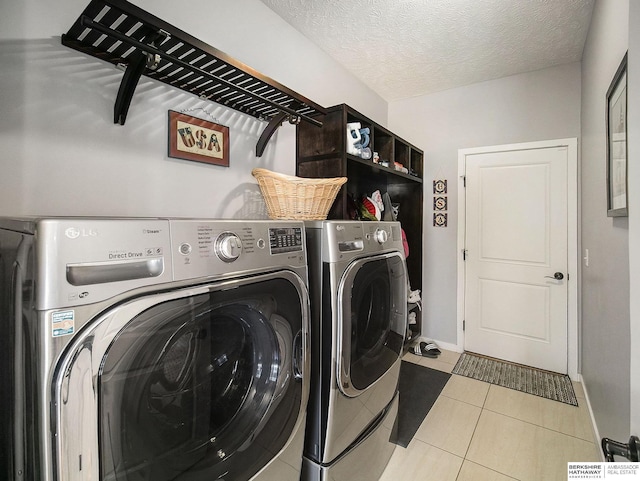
[{"x": 476, "y": 431}]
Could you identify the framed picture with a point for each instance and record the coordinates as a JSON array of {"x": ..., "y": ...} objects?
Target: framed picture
[
  {"x": 440, "y": 186},
  {"x": 440, "y": 202},
  {"x": 439, "y": 219},
  {"x": 191, "y": 138},
  {"x": 617, "y": 143}
]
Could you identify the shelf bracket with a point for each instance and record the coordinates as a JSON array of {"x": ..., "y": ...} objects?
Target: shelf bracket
[
  {"x": 128, "y": 85},
  {"x": 273, "y": 125},
  {"x": 135, "y": 68}
]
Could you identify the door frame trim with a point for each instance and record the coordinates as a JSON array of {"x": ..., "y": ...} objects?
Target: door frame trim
[{"x": 573, "y": 339}]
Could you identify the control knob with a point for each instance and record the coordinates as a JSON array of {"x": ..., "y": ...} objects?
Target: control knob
[
  {"x": 381, "y": 236},
  {"x": 228, "y": 246}
]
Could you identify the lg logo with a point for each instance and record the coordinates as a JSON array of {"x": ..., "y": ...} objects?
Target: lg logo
[{"x": 74, "y": 233}]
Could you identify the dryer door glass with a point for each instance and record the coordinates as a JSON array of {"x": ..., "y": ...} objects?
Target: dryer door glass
[
  {"x": 374, "y": 308},
  {"x": 202, "y": 387}
]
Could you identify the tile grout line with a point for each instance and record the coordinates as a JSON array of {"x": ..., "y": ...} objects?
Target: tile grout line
[
  {"x": 475, "y": 427},
  {"x": 490, "y": 469},
  {"x": 529, "y": 422},
  {"x": 482, "y": 409},
  {"x": 464, "y": 458},
  {"x": 537, "y": 425},
  {"x": 454, "y": 399}
]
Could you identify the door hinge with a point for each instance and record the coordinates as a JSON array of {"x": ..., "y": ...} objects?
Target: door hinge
[
  {"x": 464, "y": 324},
  {"x": 464, "y": 254},
  {"x": 464, "y": 180}
]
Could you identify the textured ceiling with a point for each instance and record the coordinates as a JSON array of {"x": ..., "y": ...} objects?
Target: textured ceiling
[{"x": 406, "y": 48}]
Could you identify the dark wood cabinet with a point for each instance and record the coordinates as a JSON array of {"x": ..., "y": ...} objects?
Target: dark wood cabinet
[{"x": 322, "y": 152}]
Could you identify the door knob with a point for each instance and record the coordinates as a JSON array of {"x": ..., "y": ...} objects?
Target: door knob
[{"x": 558, "y": 276}]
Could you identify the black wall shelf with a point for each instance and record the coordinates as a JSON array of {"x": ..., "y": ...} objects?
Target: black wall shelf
[{"x": 126, "y": 36}]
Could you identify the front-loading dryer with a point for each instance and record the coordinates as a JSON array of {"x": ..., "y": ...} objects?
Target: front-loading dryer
[
  {"x": 358, "y": 289},
  {"x": 153, "y": 350}
]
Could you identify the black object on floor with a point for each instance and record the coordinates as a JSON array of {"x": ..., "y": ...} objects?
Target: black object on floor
[{"x": 419, "y": 389}]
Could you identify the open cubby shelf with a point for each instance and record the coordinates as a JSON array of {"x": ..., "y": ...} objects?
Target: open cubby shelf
[{"x": 322, "y": 152}]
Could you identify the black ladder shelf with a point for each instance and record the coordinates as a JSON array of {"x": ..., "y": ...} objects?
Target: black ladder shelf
[{"x": 125, "y": 35}]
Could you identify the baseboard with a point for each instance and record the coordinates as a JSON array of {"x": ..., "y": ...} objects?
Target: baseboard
[
  {"x": 596, "y": 432},
  {"x": 447, "y": 346}
]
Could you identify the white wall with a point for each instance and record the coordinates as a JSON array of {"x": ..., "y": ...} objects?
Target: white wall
[
  {"x": 540, "y": 105},
  {"x": 605, "y": 282},
  {"x": 61, "y": 154}
]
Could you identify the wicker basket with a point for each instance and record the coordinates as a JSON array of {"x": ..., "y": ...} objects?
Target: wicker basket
[{"x": 290, "y": 197}]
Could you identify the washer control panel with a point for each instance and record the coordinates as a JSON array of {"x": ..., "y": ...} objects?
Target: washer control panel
[
  {"x": 228, "y": 246},
  {"x": 285, "y": 239},
  {"x": 210, "y": 248}
]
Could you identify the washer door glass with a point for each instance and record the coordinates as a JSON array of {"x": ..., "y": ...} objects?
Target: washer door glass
[
  {"x": 374, "y": 308},
  {"x": 202, "y": 387}
]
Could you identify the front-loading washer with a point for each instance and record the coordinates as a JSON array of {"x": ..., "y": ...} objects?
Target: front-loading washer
[
  {"x": 153, "y": 349},
  {"x": 358, "y": 290}
]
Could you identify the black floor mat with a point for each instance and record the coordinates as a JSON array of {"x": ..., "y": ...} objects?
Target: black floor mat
[{"x": 419, "y": 389}]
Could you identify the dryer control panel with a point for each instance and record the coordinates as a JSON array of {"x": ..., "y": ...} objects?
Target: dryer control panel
[{"x": 343, "y": 240}]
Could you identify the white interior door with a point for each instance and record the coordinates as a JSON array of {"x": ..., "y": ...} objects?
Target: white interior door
[{"x": 516, "y": 242}]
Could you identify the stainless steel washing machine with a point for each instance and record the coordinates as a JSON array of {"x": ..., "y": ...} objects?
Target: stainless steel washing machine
[
  {"x": 153, "y": 349},
  {"x": 358, "y": 285}
]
